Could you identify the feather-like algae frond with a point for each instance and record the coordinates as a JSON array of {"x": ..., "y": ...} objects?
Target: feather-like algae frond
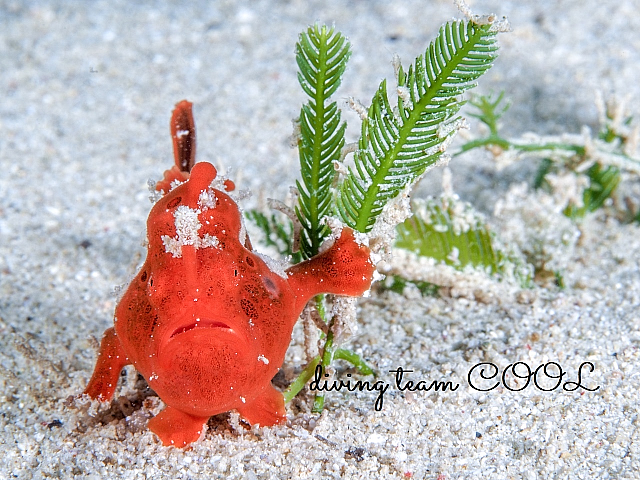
[
  {"x": 603, "y": 180},
  {"x": 451, "y": 232},
  {"x": 455, "y": 238},
  {"x": 322, "y": 54},
  {"x": 397, "y": 146}
]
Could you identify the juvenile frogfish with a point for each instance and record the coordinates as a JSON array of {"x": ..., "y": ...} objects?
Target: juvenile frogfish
[{"x": 206, "y": 320}]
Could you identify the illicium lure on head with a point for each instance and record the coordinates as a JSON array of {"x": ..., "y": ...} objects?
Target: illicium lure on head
[{"x": 206, "y": 321}]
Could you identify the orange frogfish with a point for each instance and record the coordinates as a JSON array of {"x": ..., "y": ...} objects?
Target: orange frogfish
[{"x": 206, "y": 320}]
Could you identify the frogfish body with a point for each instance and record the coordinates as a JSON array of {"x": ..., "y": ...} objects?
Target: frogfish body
[{"x": 206, "y": 320}]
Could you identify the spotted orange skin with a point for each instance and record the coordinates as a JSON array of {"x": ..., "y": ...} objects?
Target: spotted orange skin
[{"x": 209, "y": 327}]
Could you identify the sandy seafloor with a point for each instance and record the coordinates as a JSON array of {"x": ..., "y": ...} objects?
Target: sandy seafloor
[{"x": 86, "y": 91}]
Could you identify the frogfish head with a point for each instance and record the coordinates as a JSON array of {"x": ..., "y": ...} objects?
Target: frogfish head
[{"x": 204, "y": 366}]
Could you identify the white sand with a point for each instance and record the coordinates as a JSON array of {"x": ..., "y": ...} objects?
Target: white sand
[{"x": 87, "y": 90}]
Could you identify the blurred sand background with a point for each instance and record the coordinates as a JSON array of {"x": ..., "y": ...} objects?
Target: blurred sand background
[{"x": 87, "y": 89}]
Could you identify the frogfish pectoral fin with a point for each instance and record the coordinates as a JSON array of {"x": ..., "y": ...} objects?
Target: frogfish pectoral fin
[
  {"x": 111, "y": 361},
  {"x": 266, "y": 410},
  {"x": 344, "y": 269}
]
